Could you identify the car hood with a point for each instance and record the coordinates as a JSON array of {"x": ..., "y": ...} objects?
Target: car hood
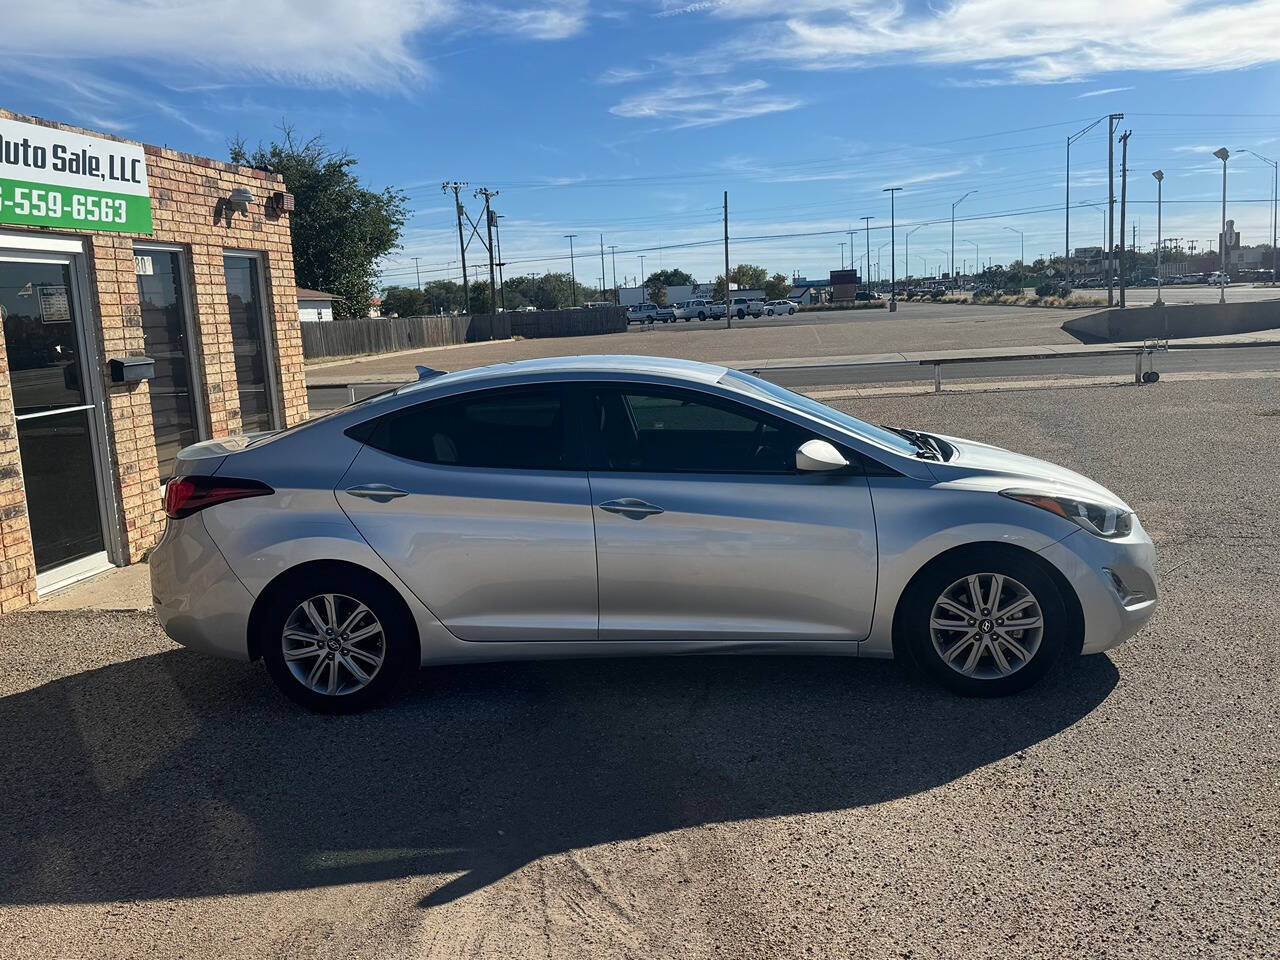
[{"x": 995, "y": 468}]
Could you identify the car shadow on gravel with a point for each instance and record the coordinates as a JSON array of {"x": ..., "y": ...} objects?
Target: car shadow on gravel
[{"x": 175, "y": 775}]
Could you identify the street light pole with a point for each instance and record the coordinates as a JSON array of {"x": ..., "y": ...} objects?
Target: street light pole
[
  {"x": 613, "y": 260},
  {"x": 640, "y": 282},
  {"x": 573, "y": 278},
  {"x": 1275, "y": 187},
  {"x": 867, "y": 230},
  {"x": 1222, "y": 153},
  {"x": 1066, "y": 248},
  {"x": 907, "y": 243},
  {"x": 953, "y": 232},
  {"x": 976, "y": 265},
  {"x": 1022, "y": 257},
  {"x": 1159, "y": 175},
  {"x": 841, "y": 254},
  {"x": 893, "y": 250}
]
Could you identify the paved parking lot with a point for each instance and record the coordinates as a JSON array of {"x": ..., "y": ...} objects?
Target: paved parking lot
[{"x": 157, "y": 803}]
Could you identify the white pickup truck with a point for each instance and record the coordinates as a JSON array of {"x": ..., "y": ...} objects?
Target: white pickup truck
[
  {"x": 648, "y": 313},
  {"x": 741, "y": 307},
  {"x": 694, "y": 310}
]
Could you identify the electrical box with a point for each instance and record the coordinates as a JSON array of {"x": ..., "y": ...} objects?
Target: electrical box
[{"x": 131, "y": 369}]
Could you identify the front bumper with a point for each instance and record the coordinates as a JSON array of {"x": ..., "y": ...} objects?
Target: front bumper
[
  {"x": 200, "y": 602},
  {"x": 1115, "y": 581}
]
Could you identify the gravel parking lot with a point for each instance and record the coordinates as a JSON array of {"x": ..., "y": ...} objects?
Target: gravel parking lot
[{"x": 158, "y": 803}]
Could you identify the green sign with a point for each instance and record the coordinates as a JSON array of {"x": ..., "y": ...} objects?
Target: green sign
[{"x": 53, "y": 178}]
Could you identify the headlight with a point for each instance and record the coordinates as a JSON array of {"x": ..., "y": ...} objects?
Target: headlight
[{"x": 1099, "y": 519}]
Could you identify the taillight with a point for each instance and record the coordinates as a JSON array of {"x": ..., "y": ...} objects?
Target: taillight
[{"x": 185, "y": 495}]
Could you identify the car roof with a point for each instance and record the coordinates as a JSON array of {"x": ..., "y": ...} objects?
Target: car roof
[{"x": 618, "y": 365}]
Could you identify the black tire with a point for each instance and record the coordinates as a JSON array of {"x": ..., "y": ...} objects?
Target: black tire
[
  {"x": 916, "y": 609},
  {"x": 741, "y": 314},
  {"x": 790, "y": 311},
  {"x": 399, "y": 638},
  {"x": 701, "y": 316}
]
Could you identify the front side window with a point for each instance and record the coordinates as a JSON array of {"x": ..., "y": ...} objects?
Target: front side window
[
  {"x": 513, "y": 429},
  {"x": 660, "y": 430}
]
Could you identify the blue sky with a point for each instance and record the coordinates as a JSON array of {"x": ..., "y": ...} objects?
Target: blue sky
[{"x": 629, "y": 119}]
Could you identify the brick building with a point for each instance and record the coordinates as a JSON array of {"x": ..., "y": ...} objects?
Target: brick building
[{"x": 111, "y": 251}]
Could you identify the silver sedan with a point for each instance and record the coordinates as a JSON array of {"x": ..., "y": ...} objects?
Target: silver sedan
[{"x": 598, "y": 506}]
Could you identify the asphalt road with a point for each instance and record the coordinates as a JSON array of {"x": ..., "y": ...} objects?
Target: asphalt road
[
  {"x": 154, "y": 802},
  {"x": 1179, "y": 360}
]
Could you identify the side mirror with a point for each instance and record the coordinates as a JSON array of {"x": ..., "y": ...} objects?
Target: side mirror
[{"x": 819, "y": 455}]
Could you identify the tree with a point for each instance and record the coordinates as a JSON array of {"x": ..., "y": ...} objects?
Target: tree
[
  {"x": 746, "y": 276},
  {"x": 673, "y": 277},
  {"x": 777, "y": 286},
  {"x": 340, "y": 228},
  {"x": 405, "y": 302}
]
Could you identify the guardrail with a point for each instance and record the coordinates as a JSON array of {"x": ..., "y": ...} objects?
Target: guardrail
[{"x": 1146, "y": 352}]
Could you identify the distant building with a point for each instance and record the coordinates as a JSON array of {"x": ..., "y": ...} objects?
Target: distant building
[
  {"x": 844, "y": 284},
  {"x": 315, "y": 305}
]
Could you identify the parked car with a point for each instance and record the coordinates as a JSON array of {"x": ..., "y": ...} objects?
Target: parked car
[
  {"x": 742, "y": 306},
  {"x": 642, "y": 312},
  {"x": 665, "y": 314},
  {"x": 1219, "y": 279},
  {"x": 692, "y": 309},
  {"x": 586, "y": 506},
  {"x": 599, "y": 304},
  {"x": 778, "y": 307}
]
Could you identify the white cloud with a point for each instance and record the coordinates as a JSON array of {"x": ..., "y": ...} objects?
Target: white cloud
[
  {"x": 361, "y": 43},
  {"x": 1101, "y": 93},
  {"x": 700, "y": 105},
  {"x": 1025, "y": 42}
]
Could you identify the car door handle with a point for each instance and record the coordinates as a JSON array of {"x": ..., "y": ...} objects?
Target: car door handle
[
  {"x": 377, "y": 492},
  {"x": 631, "y": 507}
]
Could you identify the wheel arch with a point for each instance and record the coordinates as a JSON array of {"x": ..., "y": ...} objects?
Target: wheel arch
[
  {"x": 308, "y": 570},
  {"x": 1070, "y": 601}
]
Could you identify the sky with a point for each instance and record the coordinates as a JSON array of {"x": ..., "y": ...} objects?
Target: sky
[{"x": 624, "y": 123}]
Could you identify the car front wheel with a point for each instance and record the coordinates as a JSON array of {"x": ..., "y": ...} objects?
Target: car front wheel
[
  {"x": 337, "y": 643},
  {"x": 984, "y": 623}
]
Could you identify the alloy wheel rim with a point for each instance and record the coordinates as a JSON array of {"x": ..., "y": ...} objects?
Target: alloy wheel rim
[
  {"x": 986, "y": 626},
  {"x": 333, "y": 644}
]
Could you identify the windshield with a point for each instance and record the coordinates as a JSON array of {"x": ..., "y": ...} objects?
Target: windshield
[{"x": 772, "y": 392}]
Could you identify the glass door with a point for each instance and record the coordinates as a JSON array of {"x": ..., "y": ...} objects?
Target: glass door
[
  {"x": 55, "y": 411},
  {"x": 249, "y": 341}
]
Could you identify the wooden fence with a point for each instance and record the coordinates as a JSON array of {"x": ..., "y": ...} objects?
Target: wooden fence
[{"x": 349, "y": 338}]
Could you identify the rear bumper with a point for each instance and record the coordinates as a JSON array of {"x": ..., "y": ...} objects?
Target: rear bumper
[
  {"x": 1115, "y": 581},
  {"x": 200, "y": 602}
]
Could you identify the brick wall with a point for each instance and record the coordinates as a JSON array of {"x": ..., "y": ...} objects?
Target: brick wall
[{"x": 185, "y": 195}]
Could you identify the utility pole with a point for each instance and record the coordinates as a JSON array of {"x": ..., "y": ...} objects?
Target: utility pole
[
  {"x": 502, "y": 284},
  {"x": 415, "y": 271},
  {"x": 573, "y": 277},
  {"x": 866, "y": 229},
  {"x": 893, "y": 249},
  {"x": 841, "y": 254},
  {"x": 953, "y": 232},
  {"x": 1159, "y": 175},
  {"x": 1111, "y": 203},
  {"x": 907, "y": 243},
  {"x": 1124, "y": 183},
  {"x": 602, "y": 274},
  {"x": 613, "y": 257},
  {"x": 640, "y": 280},
  {"x": 1275, "y": 188},
  {"x": 455, "y": 186},
  {"x": 488, "y": 226},
  {"x": 728, "y": 314}
]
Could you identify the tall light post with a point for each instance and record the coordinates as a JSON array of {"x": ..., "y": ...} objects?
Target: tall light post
[
  {"x": 1066, "y": 249},
  {"x": 1222, "y": 153},
  {"x": 866, "y": 229},
  {"x": 1275, "y": 188},
  {"x": 907, "y": 243},
  {"x": 893, "y": 250},
  {"x": 1022, "y": 257},
  {"x": 613, "y": 260},
  {"x": 953, "y": 231},
  {"x": 573, "y": 278},
  {"x": 841, "y": 254},
  {"x": 1159, "y": 175},
  {"x": 640, "y": 282},
  {"x": 976, "y": 265}
]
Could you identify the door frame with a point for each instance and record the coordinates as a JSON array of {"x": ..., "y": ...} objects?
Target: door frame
[
  {"x": 51, "y": 248},
  {"x": 195, "y": 361},
  {"x": 271, "y": 359}
]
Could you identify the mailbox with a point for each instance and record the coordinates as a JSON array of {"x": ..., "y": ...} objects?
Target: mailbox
[{"x": 132, "y": 369}]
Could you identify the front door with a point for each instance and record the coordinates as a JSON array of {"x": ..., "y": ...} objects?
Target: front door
[
  {"x": 706, "y": 531},
  {"x": 55, "y": 411},
  {"x": 480, "y": 504}
]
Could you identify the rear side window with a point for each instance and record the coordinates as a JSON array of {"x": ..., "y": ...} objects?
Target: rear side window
[{"x": 514, "y": 429}]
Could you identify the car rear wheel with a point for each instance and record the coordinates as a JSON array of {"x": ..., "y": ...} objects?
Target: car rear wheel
[
  {"x": 984, "y": 623},
  {"x": 337, "y": 643}
]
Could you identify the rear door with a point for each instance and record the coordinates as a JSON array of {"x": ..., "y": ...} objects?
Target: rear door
[
  {"x": 480, "y": 504},
  {"x": 705, "y": 530}
]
